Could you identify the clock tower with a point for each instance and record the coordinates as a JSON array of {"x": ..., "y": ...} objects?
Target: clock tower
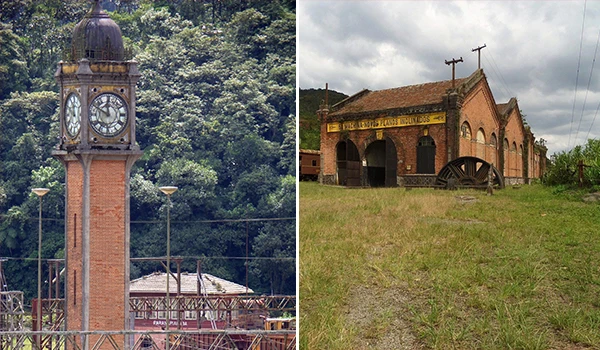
[{"x": 97, "y": 148}]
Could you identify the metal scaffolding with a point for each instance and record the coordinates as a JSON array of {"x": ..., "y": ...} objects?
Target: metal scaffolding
[
  {"x": 11, "y": 311},
  {"x": 11, "y": 305}
]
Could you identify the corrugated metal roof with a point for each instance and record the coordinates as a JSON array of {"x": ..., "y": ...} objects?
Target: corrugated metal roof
[
  {"x": 157, "y": 283},
  {"x": 406, "y": 96}
]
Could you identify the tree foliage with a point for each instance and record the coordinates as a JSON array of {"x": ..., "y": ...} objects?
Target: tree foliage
[
  {"x": 216, "y": 117},
  {"x": 563, "y": 169},
  {"x": 310, "y": 127}
]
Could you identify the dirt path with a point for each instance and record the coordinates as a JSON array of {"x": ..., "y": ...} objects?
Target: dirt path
[{"x": 380, "y": 317}]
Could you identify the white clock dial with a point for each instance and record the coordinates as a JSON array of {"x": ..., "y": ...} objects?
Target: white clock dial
[
  {"x": 108, "y": 114},
  {"x": 73, "y": 115}
]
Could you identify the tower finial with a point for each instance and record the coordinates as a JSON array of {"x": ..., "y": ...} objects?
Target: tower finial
[{"x": 96, "y": 8}]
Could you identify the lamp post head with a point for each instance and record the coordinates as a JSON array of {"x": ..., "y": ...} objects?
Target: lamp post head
[
  {"x": 40, "y": 192},
  {"x": 168, "y": 190}
]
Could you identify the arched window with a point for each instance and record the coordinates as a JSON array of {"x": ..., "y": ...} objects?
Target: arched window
[
  {"x": 505, "y": 144},
  {"x": 513, "y": 148},
  {"x": 520, "y": 149},
  {"x": 465, "y": 130},
  {"x": 493, "y": 140},
  {"x": 480, "y": 136}
]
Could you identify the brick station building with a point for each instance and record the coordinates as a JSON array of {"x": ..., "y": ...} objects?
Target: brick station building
[{"x": 406, "y": 135}]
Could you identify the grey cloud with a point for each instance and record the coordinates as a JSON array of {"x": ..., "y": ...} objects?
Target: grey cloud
[{"x": 532, "y": 48}]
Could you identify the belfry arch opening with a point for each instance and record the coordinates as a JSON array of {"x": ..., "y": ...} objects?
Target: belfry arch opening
[{"x": 348, "y": 164}]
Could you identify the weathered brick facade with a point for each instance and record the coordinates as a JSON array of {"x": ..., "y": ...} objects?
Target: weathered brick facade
[
  {"x": 97, "y": 239},
  {"x": 107, "y": 244},
  {"x": 73, "y": 241},
  {"x": 418, "y": 129}
]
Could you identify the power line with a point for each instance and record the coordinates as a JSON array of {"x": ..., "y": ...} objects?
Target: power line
[
  {"x": 503, "y": 89},
  {"x": 30, "y": 218},
  {"x": 510, "y": 94},
  {"x": 183, "y": 257},
  {"x": 577, "y": 76},
  {"x": 588, "y": 88},
  {"x": 212, "y": 221},
  {"x": 593, "y": 120}
]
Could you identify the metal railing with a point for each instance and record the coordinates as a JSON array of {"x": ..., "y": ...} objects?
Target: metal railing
[
  {"x": 150, "y": 340},
  {"x": 216, "y": 303}
]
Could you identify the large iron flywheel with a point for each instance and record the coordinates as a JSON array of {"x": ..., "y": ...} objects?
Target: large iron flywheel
[{"x": 469, "y": 172}]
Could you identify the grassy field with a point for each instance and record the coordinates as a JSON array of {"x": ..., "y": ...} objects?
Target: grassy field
[{"x": 394, "y": 269}]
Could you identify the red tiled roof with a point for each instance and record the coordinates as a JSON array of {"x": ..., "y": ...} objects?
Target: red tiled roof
[{"x": 406, "y": 96}]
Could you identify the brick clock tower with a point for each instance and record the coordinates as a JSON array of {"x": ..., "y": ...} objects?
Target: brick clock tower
[{"x": 97, "y": 148}]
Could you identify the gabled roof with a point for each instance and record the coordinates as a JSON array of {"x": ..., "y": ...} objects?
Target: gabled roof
[
  {"x": 505, "y": 110},
  {"x": 502, "y": 108},
  {"x": 401, "y": 97},
  {"x": 156, "y": 283}
]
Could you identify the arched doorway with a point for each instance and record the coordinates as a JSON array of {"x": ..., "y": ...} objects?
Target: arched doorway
[
  {"x": 426, "y": 155},
  {"x": 348, "y": 164},
  {"x": 382, "y": 163}
]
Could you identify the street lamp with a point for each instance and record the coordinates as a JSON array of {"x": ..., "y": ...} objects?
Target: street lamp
[
  {"x": 40, "y": 192},
  {"x": 168, "y": 190}
]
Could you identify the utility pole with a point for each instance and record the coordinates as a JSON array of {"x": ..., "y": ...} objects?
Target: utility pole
[
  {"x": 478, "y": 49},
  {"x": 453, "y": 63}
]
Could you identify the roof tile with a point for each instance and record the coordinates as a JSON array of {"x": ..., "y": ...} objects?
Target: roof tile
[{"x": 406, "y": 96}]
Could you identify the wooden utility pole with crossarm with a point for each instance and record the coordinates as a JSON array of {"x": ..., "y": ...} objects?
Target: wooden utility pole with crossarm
[
  {"x": 453, "y": 63},
  {"x": 478, "y": 49}
]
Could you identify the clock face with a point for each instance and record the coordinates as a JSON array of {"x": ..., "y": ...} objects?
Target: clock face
[
  {"x": 73, "y": 115},
  {"x": 108, "y": 114}
]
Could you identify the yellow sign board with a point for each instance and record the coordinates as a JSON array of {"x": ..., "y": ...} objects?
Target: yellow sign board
[{"x": 388, "y": 122}]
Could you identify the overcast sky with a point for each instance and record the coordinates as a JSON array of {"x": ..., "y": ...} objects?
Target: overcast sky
[{"x": 532, "y": 53}]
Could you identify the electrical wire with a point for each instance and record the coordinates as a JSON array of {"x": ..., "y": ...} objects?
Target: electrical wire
[
  {"x": 505, "y": 92},
  {"x": 502, "y": 81},
  {"x": 587, "y": 90},
  {"x": 593, "y": 120},
  {"x": 189, "y": 257},
  {"x": 577, "y": 76},
  {"x": 213, "y": 221},
  {"x": 290, "y": 218}
]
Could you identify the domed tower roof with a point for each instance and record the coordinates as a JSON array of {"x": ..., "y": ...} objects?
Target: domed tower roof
[{"x": 97, "y": 37}]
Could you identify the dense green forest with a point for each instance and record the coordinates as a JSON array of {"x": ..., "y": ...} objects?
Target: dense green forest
[
  {"x": 216, "y": 117},
  {"x": 309, "y": 102}
]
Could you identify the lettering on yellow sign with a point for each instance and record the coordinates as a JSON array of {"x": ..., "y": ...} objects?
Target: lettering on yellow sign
[{"x": 388, "y": 122}]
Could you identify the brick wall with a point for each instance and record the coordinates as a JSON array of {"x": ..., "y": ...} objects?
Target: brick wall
[
  {"x": 514, "y": 133},
  {"x": 328, "y": 144},
  {"x": 107, "y": 245},
  {"x": 405, "y": 140},
  {"x": 479, "y": 112},
  {"x": 74, "y": 174}
]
